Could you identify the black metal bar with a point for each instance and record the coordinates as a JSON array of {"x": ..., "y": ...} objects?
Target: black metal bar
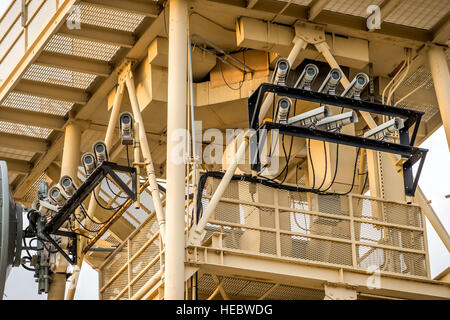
[
  {"x": 405, "y": 148},
  {"x": 119, "y": 181},
  {"x": 340, "y": 138},
  {"x": 255, "y": 99},
  {"x": 84, "y": 190},
  {"x": 419, "y": 171},
  {"x": 415, "y": 130}
]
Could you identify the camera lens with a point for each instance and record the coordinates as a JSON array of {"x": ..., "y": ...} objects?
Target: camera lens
[
  {"x": 126, "y": 119},
  {"x": 66, "y": 183},
  {"x": 100, "y": 148},
  {"x": 335, "y": 75},
  {"x": 88, "y": 160}
]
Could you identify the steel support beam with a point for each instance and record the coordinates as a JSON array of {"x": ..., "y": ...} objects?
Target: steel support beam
[
  {"x": 334, "y": 22},
  {"x": 26, "y": 143},
  {"x": 32, "y": 118},
  {"x": 17, "y": 166},
  {"x": 441, "y": 31},
  {"x": 145, "y": 8},
  {"x": 58, "y": 92},
  {"x": 314, "y": 275},
  {"x": 73, "y": 63},
  {"x": 316, "y": 8},
  {"x": 176, "y": 120},
  {"x": 386, "y": 8},
  {"x": 99, "y": 34}
]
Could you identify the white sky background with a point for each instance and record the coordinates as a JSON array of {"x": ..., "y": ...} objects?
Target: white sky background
[{"x": 434, "y": 181}]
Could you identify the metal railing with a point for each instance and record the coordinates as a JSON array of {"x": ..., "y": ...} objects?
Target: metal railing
[
  {"x": 355, "y": 231},
  {"x": 352, "y": 231}
]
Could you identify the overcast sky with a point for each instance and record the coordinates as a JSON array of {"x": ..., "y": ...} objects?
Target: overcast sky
[{"x": 434, "y": 181}]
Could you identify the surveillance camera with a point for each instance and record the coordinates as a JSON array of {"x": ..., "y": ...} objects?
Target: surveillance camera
[
  {"x": 281, "y": 72},
  {"x": 55, "y": 193},
  {"x": 385, "y": 129},
  {"x": 68, "y": 185},
  {"x": 331, "y": 81},
  {"x": 283, "y": 107},
  {"x": 45, "y": 207},
  {"x": 126, "y": 128},
  {"x": 101, "y": 154},
  {"x": 89, "y": 163},
  {"x": 307, "y": 77},
  {"x": 357, "y": 85},
  {"x": 337, "y": 121},
  {"x": 310, "y": 118}
]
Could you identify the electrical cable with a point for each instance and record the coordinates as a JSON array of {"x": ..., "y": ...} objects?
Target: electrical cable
[
  {"x": 98, "y": 202},
  {"x": 128, "y": 157},
  {"x": 335, "y": 171},
  {"x": 308, "y": 144},
  {"x": 115, "y": 194}
]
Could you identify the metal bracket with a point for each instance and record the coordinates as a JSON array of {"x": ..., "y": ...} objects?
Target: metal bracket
[
  {"x": 405, "y": 148},
  {"x": 102, "y": 171}
]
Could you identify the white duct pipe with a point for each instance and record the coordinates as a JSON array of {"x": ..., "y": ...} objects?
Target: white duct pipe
[
  {"x": 176, "y": 121},
  {"x": 299, "y": 44},
  {"x": 160, "y": 216}
]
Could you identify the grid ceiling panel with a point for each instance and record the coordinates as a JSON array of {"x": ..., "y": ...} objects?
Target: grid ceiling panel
[
  {"x": 59, "y": 76},
  {"x": 24, "y": 130},
  {"x": 108, "y": 18},
  {"x": 31, "y": 194},
  {"x": 419, "y": 14},
  {"x": 429, "y": 109},
  {"x": 81, "y": 48},
  {"x": 351, "y": 7},
  {"x": 37, "y": 104}
]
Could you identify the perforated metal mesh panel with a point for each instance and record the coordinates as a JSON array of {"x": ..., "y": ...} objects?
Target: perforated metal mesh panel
[
  {"x": 31, "y": 194},
  {"x": 37, "y": 104},
  {"x": 142, "y": 254},
  {"x": 81, "y": 48},
  {"x": 59, "y": 76},
  {"x": 108, "y": 18},
  {"x": 355, "y": 8},
  {"x": 298, "y": 225},
  {"x": 419, "y": 13},
  {"x": 239, "y": 288},
  {"x": 25, "y": 130}
]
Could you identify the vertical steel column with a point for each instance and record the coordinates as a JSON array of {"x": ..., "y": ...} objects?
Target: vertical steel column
[
  {"x": 441, "y": 80},
  {"x": 69, "y": 166},
  {"x": 176, "y": 120}
]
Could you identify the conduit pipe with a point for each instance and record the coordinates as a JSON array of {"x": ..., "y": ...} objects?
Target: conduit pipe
[{"x": 160, "y": 215}]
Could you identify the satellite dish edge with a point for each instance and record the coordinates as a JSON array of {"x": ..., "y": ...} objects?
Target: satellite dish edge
[{"x": 10, "y": 229}]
